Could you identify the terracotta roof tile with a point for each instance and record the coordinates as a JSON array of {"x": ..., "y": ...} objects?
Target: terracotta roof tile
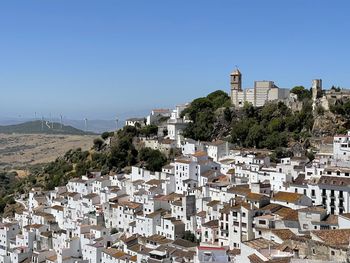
[
  {"x": 338, "y": 237},
  {"x": 287, "y": 197}
]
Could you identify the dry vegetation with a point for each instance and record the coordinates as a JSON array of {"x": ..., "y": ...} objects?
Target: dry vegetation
[{"x": 20, "y": 150}]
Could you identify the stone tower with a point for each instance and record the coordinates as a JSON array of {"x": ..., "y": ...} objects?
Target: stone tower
[
  {"x": 236, "y": 86},
  {"x": 316, "y": 89},
  {"x": 316, "y": 92},
  {"x": 236, "y": 80}
]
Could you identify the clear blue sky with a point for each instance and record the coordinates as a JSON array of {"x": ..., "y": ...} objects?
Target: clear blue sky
[{"x": 102, "y": 58}]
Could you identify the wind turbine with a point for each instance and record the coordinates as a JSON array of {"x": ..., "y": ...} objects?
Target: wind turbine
[
  {"x": 116, "y": 123},
  {"x": 86, "y": 124},
  {"x": 61, "y": 121},
  {"x": 51, "y": 121}
]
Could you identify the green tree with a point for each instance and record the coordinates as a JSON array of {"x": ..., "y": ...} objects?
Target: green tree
[
  {"x": 219, "y": 99},
  {"x": 337, "y": 89},
  {"x": 249, "y": 110},
  {"x": 98, "y": 143},
  {"x": 149, "y": 130},
  {"x": 275, "y": 140},
  {"x": 240, "y": 131},
  {"x": 255, "y": 136},
  {"x": 276, "y": 124},
  {"x": 188, "y": 235},
  {"x": 154, "y": 160},
  {"x": 301, "y": 92},
  {"x": 106, "y": 135},
  {"x": 228, "y": 114},
  {"x": 201, "y": 112}
]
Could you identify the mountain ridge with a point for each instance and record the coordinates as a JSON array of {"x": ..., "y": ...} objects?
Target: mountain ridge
[{"x": 42, "y": 127}]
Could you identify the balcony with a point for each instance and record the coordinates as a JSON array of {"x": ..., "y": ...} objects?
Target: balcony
[{"x": 224, "y": 231}]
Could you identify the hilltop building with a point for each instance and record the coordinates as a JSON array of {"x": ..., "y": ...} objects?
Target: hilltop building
[
  {"x": 135, "y": 121},
  {"x": 158, "y": 114},
  {"x": 262, "y": 92},
  {"x": 341, "y": 147},
  {"x": 176, "y": 124}
]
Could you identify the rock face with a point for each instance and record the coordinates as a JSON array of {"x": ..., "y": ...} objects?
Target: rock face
[
  {"x": 222, "y": 124},
  {"x": 327, "y": 124},
  {"x": 298, "y": 149}
]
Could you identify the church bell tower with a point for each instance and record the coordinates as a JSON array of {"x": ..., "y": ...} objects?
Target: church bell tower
[
  {"x": 236, "y": 80},
  {"x": 236, "y": 86}
]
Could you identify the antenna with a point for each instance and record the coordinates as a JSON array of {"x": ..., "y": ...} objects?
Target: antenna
[{"x": 116, "y": 123}]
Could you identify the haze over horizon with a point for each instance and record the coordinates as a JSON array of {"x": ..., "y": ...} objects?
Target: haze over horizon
[{"x": 99, "y": 59}]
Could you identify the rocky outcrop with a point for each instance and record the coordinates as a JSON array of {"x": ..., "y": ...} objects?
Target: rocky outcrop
[
  {"x": 222, "y": 124},
  {"x": 327, "y": 124}
]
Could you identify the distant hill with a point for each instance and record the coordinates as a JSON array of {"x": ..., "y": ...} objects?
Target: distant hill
[
  {"x": 94, "y": 125},
  {"x": 46, "y": 127}
]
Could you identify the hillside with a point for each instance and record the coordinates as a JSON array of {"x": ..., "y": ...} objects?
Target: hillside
[
  {"x": 39, "y": 127},
  {"x": 272, "y": 126},
  {"x": 21, "y": 150}
]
